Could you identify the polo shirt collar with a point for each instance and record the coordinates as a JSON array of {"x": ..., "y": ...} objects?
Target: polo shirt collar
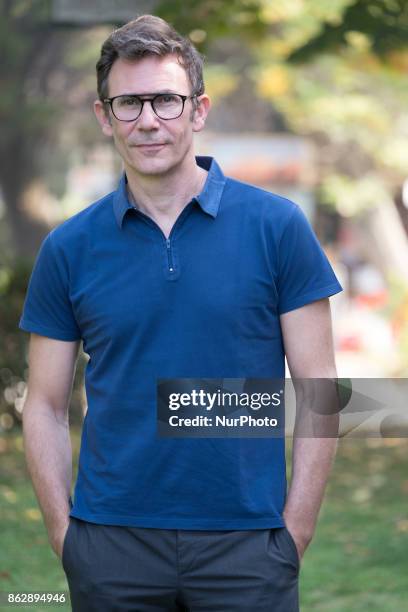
[{"x": 209, "y": 198}]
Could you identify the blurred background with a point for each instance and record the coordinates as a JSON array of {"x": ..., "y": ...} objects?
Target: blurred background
[{"x": 310, "y": 101}]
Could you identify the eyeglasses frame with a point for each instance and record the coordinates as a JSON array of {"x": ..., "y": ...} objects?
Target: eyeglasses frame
[{"x": 149, "y": 99}]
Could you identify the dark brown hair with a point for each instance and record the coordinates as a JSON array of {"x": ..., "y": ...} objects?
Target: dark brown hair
[{"x": 148, "y": 35}]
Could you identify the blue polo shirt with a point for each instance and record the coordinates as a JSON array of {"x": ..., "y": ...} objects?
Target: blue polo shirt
[{"x": 203, "y": 304}]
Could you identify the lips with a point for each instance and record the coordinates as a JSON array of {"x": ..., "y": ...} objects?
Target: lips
[{"x": 151, "y": 145}]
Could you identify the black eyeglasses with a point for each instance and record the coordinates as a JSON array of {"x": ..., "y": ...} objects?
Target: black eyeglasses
[{"x": 166, "y": 106}]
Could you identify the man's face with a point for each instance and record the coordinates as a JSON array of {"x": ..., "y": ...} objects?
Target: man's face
[{"x": 150, "y": 145}]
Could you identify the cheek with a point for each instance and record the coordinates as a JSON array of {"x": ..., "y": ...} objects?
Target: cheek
[
  {"x": 185, "y": 134},
  {"x": 121, "y": 138},
  {"x": 123, "y": 131}
]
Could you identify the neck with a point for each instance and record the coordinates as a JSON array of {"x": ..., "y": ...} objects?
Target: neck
[{"x": 163, "y": 197}]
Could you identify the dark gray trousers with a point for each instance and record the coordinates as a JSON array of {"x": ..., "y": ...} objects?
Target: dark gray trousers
[{"x": 135, "y": 569}]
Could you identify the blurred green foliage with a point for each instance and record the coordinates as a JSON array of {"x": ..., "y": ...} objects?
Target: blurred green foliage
[
  {"x": 383, "y": 22},
  {"x": 13, "y": 363},
  {"x": 14, "y": 349},
  {"x": 341, "y": 93},
  {"x": 206, "y": 21}
]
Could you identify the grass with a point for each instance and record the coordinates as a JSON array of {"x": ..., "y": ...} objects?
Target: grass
[
  {"x": 27, "y": 562},
  {"x": 358, "y": 558},
  {"x": 357, "y": 561}
]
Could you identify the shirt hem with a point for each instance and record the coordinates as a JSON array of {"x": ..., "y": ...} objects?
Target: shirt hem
[
  {"x": 31, "y": 327},
  {"x": 312, "y": 296},
  {"x": 179, "y": 523}
]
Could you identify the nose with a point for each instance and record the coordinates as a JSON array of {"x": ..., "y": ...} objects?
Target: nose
[{"x": 147, "y": 119}]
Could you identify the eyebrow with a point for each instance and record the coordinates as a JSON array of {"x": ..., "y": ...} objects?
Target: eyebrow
[{"x": 139, "y": 95}]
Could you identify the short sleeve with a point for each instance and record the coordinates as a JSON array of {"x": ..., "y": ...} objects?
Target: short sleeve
[
  {"x": 305, "y": 274},
  {"x": 47, "y": 308}
]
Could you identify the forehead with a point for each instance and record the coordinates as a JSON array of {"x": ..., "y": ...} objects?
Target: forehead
[{"x": 148, "y": 75}]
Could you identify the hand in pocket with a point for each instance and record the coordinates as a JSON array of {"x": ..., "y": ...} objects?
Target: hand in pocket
[{"x": 57, "y": 539}]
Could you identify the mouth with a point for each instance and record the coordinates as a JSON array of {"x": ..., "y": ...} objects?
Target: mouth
[{"x": 151, "y": 146}]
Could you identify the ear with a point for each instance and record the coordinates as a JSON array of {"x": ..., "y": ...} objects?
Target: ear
[
  {"x": 103, "y": 117},
  {"x": 201, "y": 112}
]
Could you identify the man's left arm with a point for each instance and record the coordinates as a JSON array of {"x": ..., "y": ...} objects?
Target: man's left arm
[{"x": 308, "y": 342}]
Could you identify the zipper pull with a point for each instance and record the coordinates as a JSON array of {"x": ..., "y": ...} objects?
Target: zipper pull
[{"x": 171, "y": 269}]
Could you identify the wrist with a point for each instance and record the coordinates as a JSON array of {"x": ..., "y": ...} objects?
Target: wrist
[{"x": 301, "y": 530}]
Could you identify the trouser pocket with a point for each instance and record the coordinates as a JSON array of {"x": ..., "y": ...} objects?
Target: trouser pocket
[
  {"x": 283, "y": 549},
  {"x": 65, "y": 545},
  {"x": 293, "y": 546}
]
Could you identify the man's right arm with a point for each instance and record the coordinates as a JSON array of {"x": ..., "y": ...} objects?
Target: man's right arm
[{"x": 47, "y": 441}]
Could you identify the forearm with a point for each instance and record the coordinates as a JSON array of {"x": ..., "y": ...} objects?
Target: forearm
[
  {"x": 48, "y": 452},
  {"x": 312, "y": 459}
]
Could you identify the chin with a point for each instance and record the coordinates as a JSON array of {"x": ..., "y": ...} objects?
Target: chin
[{"x": 154, "y": 167}]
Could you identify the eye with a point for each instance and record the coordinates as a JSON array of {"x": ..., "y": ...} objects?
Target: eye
[
  {"x": 167, "y": 99},
  {"x": 124, "y": 101}
]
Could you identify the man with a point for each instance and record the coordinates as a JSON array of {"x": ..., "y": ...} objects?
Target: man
[{"x": 180, "y": 273}]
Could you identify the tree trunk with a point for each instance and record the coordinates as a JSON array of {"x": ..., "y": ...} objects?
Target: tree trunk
[
  {"x": 16, "y": 174},
  {"x": 26, "y": 232}
]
